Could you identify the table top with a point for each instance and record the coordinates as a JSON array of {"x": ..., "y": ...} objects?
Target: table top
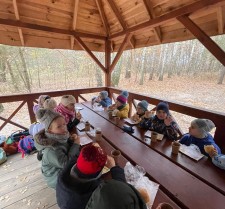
[
  {"x": 175, "y": 180},
  {"x": 202, "y": 169}
]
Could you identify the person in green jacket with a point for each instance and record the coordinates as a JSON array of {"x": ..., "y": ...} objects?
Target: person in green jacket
[{"x": 57, "y": 145}]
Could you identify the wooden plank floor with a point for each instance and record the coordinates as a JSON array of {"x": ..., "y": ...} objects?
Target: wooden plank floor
[{"x": 22, "y": 185}]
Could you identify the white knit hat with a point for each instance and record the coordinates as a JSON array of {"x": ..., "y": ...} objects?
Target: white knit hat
[
  {"x": 68, "y": 99},
  {"x": 203, "y": 125},
  {"x": 50, "y": 104}
]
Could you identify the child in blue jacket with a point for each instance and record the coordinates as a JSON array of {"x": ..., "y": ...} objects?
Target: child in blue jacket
[
  {"x": 199, "y": 135},
  {"x": 103, "y": 99}
]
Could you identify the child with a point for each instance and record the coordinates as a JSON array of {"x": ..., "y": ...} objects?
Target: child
[
  {"x": 54, "y": 141},
  {"x": 121, "y": 108},
  {"x": 199, "y": 135},
  {"x": 217, "y": 159},
  {"x": 161, "y": 123},
  {"x": 142, "y": 107},
  {"x": 36, "y": 127},
  {"x": 67, "y": 109},
  {"x": 80, "y": 179},
  {"x": 103, "y": 99},
  {"x": 41, "y": 100}
]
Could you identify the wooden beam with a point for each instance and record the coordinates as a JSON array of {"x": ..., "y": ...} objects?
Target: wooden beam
[
  {"x": 13, "y": 123},
  {"x": 203, "y": 38},
  {"x": 221, "y": 19},
  {"x": 132, "y": 42},
  {"x": 12, "y": 115},
  {"x": 84, "y": 47},
  {"x": 167, "y": 17},
  {"x": 74, "y": 22},
  {"x": 120, "y": 51},
  {"x": 103, "y": 16},
  {"x": 21, "y": 36},
  {"x": 117, "y": 13},
  {"x": 107, "y": 63},
  {"x": 20, "y": 24},
  {"x": 156, "y": 30},
  {"x": 18, "y": 18},
  {"x": 75, "y": 12}
]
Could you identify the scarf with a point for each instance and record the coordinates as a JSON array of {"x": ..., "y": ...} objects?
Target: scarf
[
  {"x": 60, "y": 138},
  {"x": 67, "y": 114},
  {"x": 121, "y": 107}
]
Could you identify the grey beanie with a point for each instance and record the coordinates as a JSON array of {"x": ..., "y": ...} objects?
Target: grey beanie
[
  {"x": 204, "y": 126},
  {"x": 46, "y": 116},
  {"x": 125, "y": 94},
  {"x": 104, "y": 94},
  {"x": 143, "y": 104}
]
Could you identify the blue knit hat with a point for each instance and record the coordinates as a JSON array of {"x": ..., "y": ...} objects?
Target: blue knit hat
[
  {"x": 163, "y": 106},
  {"x": 104, "y": 94},
  {"x": 123, "y": 97},
  {"x": 143, "y": 105}
]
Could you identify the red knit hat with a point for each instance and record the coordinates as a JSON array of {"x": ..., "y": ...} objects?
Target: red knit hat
[{"x": 91, "y": 160}]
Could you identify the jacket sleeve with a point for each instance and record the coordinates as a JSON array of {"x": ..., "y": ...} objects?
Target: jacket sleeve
[
  {"x": 118, "y": 173},
  {"x": 219, "y": 161},
  {"x": 103, "y": 103},
  {"x": 146, "y": 123},
  {"x": 59, "y": 158},
  {"x": 72, "y": 124},
  {"x": 186, "y": 140},
  {"x": 172, "y": 131},
  {"x": 123, "y": 113}
]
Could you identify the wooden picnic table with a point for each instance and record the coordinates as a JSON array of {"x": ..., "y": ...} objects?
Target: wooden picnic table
[
  {"x": 178, "y": 183},
  {"x": 202, "y": 169}
]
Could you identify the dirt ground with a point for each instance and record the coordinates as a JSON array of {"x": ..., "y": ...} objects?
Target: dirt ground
[{"x": 198, "y": 92}]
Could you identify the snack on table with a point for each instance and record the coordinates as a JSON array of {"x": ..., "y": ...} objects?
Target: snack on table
[
  {"x": 144, "y": 194},
  {"x": 208, "y": 148}
]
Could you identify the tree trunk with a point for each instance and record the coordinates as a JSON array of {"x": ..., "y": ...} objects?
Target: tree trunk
[
  {"x": 14, "y": 81},
  {"x": 98, "y": 77},
  {"x": 116, "y": 73},
  {"x": 222, "y": 74},
  {"x": 25, "y": 71},
  {"x": 38, "y": 69},
  {"x": 3, "y": 65},
  {"x": 141, "y": 82}
]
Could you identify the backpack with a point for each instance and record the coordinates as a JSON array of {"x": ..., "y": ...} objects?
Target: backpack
[
  {"x": 16, "y": 136},
  {"x": 26, "y": 145},
  {"x": 3, "y": 157}
]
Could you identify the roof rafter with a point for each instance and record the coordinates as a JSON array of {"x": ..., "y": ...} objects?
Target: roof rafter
[
  {"x": 18, "y": 18},
  {"x": 103, "y": 16},
  {"x": 151, "y": 13},
  {"x": 167, "y": 17},
  {"x": 74, "y": 23},
  {"x": 203, "y": 38},
  {"x": 121, "y": 20}
]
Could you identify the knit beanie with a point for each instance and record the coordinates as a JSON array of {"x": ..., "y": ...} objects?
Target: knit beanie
[
  {"x": 42, "y": 98},
  {"x": 163, "y": 106},
  {"x": 46, "y": 116},
  {"x": 203, "y": 125},
  {"x": 91, "y": 160},
  {"x": 123, "y": 97},
  {"x": 104, "y": 94},
  {"x": 50, "y": 104},
  {"x": 67, "y": 99},
  {"x": 143, "y": 105}
]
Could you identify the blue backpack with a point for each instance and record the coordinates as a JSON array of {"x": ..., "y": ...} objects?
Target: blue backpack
[{"x": 26, "y": 145}]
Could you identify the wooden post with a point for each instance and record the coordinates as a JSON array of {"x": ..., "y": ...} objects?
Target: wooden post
[
  {"x": 203, "y": 38},
  {"x": 107, "y": 63}
]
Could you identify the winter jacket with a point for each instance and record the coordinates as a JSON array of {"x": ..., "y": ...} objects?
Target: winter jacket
[
  {"x": 74, "y": 193},
  {"x": 123, "y": 111},
  {"x": 114, "y": 194},
  {"x": 187, "y": 139},
  {"x": 35, "y": 128},
  {"x": 219, "y": 161},
  {"x": 57, "y": 152},
  {"x": 157, "y": 125},
  {"x": 106, "y": 102}
]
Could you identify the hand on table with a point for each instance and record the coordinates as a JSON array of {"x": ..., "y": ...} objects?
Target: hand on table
[
  {"x": 78, "y": 116},
  {"x": 110, "y": 163},
  {"x": 213, "y": 152},
  {"x": 75, "y": 138}
]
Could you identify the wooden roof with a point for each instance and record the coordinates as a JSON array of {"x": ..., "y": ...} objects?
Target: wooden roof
[{"x": 76, "y": 24}]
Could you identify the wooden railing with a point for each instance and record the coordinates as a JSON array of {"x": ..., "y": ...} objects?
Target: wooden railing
[{"x": 30, "y": 99}]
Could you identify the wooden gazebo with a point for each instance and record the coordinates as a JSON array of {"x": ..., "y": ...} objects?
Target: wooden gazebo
[{"x": 114, "y": 26}]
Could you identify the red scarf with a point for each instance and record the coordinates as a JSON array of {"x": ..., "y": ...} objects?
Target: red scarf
[{"x": 67, "y": 114}]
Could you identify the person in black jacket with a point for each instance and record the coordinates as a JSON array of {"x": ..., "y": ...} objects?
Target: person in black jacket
[{"x": 78, "y": 181}]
